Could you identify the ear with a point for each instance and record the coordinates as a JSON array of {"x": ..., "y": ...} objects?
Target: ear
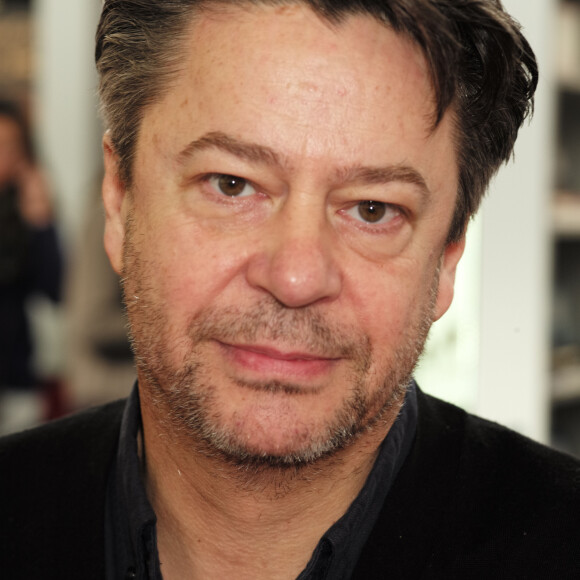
[
  {"x": 116, "y": 202},
  {"x": 449, "y": 260}
]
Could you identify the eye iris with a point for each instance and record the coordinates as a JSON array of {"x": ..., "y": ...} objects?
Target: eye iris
[
  {"x": 230, "y": 185},
  {"x": 371, "y": 211}
]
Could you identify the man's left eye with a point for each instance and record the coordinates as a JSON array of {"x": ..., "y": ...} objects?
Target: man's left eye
[
  {"x": 231, "y": 185},
  {"x": 373, "y": 212}
]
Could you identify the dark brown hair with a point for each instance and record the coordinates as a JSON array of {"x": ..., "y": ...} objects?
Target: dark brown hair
[{"x": 480, "y": 64}]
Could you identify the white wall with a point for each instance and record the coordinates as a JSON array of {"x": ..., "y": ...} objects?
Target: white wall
[
  {"x": 490, "y": 351},
  {"x": 516, "y": 272}
]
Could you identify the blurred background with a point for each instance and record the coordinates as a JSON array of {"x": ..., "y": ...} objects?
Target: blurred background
[{"x": 509, "y": 349}]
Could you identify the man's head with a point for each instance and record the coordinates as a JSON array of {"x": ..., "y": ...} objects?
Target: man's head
[
  {"x": 282, "y": 223},
  {"x": 15, "y": 142},
  {"x": 480, "y": 65}
]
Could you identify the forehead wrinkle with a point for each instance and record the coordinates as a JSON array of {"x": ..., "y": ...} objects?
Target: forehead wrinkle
[{"x": 248, "y": 151}]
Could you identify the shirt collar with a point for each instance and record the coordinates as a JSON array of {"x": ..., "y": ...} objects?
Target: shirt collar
[
  {"x": 339, "y": 549},
  {"x": 131, "y": 521}
]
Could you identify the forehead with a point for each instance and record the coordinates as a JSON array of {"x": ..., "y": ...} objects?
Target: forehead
[
  {"x": 286, "y": 78},
  {"x": 278, "y": 37}
]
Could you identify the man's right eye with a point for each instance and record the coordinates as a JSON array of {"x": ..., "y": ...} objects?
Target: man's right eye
[
  {"x": 231, "y": 185},
  {"x": 371, "y": 211}
]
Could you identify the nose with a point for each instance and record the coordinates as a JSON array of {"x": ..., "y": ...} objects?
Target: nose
[{"x": 295, "y": 260}]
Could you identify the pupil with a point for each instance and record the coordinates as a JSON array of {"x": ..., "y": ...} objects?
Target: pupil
[
  {"x": 231, "y": 185},
  {"x": 371, "y": 211}
]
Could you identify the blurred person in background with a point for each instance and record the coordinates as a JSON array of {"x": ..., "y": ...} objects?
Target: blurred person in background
[{"x": 30, "y": 263}]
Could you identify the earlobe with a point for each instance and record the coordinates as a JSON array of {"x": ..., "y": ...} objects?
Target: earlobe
[
  {"x": 115, "y": 202},
  {"x": 449, "y": 260}
]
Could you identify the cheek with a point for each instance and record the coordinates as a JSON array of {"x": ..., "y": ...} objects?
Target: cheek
[
  {"x": 385, "y": 323},
  {"x": 190, "y": 268},
  {"x": 390, "y": 302}
]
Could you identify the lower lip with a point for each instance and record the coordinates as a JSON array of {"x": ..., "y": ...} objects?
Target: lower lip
[{"x": 271, "y": 367}]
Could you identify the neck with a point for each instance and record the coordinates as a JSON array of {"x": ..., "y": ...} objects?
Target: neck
[{"x": 216, "y": 519}]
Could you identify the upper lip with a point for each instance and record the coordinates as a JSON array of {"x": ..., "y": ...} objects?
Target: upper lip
[{"x": 275, "y": 353}]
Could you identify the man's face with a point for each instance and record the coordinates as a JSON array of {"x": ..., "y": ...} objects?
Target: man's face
[
  {"x": 283, "y": 245},
  {"x": 11, "y": 149}
]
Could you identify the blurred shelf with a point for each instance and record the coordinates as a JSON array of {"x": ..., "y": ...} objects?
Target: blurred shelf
[
  {"x": 570, "y": 83},
  {"x": 566, "y": 214},
  {"x": 16, "y": 65},
  {"x": 566, "y": 373},
  {"x": 566, "y": 384},
  {"x": 568, "y": 45}
]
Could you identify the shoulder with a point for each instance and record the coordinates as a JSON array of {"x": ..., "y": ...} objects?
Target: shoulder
[
  {"x": 61, "y": 440},
  {"x": 515, "y": 504},
  {"x": 52, "y": 492},
  {"x": 501, "y": 475},
  {"x": 497, "y": 460},
  {"x": 477, "y": 500}
]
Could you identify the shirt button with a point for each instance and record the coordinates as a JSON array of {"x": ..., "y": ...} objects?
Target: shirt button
[{"x": 131, "y": 574}]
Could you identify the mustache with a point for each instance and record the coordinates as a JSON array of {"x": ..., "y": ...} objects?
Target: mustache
[{"x": 268, "y": 321}]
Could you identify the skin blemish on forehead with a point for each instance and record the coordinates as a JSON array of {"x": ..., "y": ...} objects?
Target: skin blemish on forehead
[
  {"x": 309, "y": 87},
  {"x": 287, "y": 10}
]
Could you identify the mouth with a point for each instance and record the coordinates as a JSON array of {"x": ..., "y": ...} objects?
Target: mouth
[{"x": 265, "y": 362}]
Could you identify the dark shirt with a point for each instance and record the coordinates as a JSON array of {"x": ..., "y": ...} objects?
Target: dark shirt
[{"x": 130, "y": 522}]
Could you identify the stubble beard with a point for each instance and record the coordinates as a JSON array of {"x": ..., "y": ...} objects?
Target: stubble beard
[{"x": 185, "y": 397}]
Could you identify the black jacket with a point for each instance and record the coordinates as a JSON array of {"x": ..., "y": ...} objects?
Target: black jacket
[{"x": 472, "y": 501}]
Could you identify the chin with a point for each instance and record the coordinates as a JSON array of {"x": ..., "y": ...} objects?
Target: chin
[{"x": 276, "y": 428}]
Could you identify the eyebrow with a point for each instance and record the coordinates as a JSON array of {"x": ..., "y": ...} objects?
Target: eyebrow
[
  {"x": 247, "y": 151},
  {"x": 383, "y": 175},
  {"x": 255, "y": 153}
]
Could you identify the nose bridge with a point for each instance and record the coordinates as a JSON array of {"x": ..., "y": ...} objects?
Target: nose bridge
[{"x": 296, "y": 264}]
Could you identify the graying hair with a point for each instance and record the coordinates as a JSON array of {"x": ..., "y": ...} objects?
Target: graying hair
[{"x": 480, "y": 64}]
